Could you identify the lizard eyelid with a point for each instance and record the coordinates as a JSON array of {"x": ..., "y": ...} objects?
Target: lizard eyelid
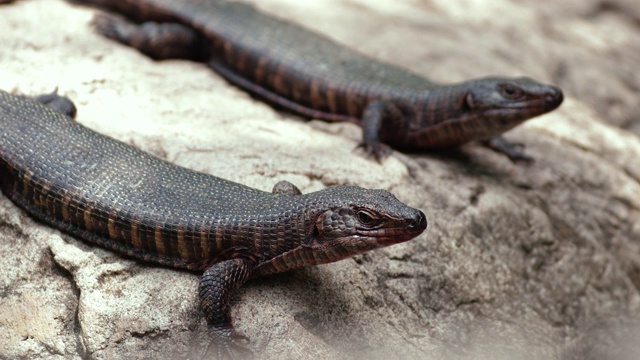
[{"x": 367, "y": 218}]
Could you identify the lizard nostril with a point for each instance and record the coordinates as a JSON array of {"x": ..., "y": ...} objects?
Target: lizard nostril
[
  {"x": 419, "y": 223},
  {"x": 554, "y": 97}
]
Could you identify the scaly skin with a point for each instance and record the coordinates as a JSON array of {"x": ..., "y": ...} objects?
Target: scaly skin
[
  {"x": 312, "y": 75},
  {"x": 115, "y": 196}
]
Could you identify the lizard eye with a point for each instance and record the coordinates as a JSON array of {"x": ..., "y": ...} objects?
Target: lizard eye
[
  {"x": 366, "y": 217},
  {"x": 510, "y": 92}
]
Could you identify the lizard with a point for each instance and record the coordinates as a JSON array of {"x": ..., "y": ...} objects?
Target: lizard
[
  {"x": 113, "y": 195},
  {"x": 312, "y": 75}
]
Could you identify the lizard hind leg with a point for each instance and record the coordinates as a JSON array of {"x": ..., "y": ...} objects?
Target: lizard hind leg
[
  {"x": 284, "y": 187},
  {"x": 59, "y": 103},
  {"x": 156, "y": 40}
]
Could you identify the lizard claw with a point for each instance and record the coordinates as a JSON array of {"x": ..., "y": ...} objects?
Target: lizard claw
[
  {"x": 375, "y": 149},
  {"x": 226, "y": 344}
]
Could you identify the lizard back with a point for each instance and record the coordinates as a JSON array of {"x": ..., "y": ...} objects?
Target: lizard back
[
  {"x": 265, "y": 54},
  {"x": 113, "y": 194}
]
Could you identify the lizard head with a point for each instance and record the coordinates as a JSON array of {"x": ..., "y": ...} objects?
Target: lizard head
[
  {"x": 505, "y": 103},
  {"x": 344, "y": 221},
  {"x": 359, "y": 220}
]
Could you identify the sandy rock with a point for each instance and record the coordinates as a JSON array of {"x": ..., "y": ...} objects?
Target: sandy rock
[{"x": 518, "y": 261}]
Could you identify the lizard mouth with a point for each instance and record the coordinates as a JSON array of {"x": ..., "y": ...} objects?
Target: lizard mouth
[
  {"x": 539, "y": 105},
  {"x": 405, "y": 231},
  {"x": 366, "y": 240},
  {"x": 326, "y": 251},
  {"x": 522, "y": 110},
  {"x": 396, "y": 236}
]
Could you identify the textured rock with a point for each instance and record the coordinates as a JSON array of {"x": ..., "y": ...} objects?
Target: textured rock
[{"x": 518, "y": 262}]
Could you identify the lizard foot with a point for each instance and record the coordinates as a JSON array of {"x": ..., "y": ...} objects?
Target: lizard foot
[
  {"x": 112, "y": 27},
  {"x": 514, "y": 151},
  {"x": 226, "y": 343},
  {"x": 375, "y": 149},
  {"x": 157, "y": 40}
]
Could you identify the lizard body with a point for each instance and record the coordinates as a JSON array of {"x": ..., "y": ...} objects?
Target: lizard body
[
  {"x": 123, "y": 199},
  {"x": 312, "y": 75}
]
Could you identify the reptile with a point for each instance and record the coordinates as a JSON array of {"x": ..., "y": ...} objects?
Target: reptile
[
  {"x": 314, "y": 76},
  {"x": 123, "y": 199}
]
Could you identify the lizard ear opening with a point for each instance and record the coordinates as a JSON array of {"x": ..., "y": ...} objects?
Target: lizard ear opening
[
  {"x": 316, "y": 232},
  {"x": 468, "y": 103},
  {"x": 319, "y": 228}
]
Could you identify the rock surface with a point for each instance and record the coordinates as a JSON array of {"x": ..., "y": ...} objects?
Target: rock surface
[{"x": 523, "y": 262}]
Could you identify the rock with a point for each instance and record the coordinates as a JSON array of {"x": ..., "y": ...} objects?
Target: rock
[{"x": 518, "y": 261}]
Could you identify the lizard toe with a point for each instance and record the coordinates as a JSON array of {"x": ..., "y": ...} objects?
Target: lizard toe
[
  {"x": 377, "y": 150},
  {"x": 228, "y": 344}
]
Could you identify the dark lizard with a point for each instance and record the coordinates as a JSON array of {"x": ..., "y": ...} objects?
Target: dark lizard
[
  {"x": 123, "y": 199},
  {"x": 314, "y": 76}
]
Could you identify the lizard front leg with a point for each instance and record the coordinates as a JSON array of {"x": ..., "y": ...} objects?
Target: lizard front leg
[
  {"x": 377, "y": 117},
  {"x": 217, "y": 284},
  {"x": 514, "y": 151}
]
